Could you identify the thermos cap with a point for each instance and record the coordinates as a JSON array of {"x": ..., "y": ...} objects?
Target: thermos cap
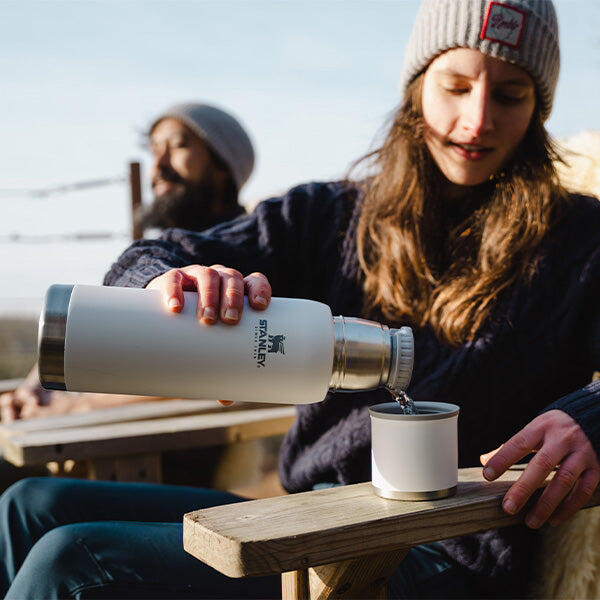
[{"x": 403, "y": 352}]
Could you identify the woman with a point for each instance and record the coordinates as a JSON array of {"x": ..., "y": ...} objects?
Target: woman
[{"x": 462, "y": 232}]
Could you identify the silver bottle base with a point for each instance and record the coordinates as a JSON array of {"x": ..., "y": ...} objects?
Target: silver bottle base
[
  {"x": 395, "y": 495},
  {"x": 51, "y": 337}
]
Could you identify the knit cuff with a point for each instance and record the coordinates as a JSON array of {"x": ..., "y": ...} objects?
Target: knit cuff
[
  {"x": 138, "y": 277},
  {"x": 584, "y": 407}
]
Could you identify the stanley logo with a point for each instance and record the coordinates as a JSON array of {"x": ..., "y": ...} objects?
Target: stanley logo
[{"x": 266, "y": 344}]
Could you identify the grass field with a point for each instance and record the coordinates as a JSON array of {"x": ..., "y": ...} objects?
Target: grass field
[{"x": 18, "y": 346}]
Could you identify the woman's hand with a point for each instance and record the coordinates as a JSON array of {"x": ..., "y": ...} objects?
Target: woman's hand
[
  {"x": 220, "y": 292},
  {"x": 558, "y": 441}
]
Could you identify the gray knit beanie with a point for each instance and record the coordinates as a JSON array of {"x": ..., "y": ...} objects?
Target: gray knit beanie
[
  {"x": 523, "y": 32},
  {"x": 221, "y": 132}
]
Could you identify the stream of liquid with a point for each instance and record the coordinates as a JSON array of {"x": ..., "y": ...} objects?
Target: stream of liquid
[{"x": 405, "y": 401}]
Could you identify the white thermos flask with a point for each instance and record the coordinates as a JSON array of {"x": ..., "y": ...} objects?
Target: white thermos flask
[{"x": 125, "y": 341}]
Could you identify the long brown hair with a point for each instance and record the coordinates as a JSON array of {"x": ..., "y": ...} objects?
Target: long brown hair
[{"x": 418, "y": 264}]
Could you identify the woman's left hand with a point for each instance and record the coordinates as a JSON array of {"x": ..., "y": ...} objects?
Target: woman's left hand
[{"x": 558, "y": 441}]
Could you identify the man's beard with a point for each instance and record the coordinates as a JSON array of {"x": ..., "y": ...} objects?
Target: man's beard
[{"x": 189, "y": 206}]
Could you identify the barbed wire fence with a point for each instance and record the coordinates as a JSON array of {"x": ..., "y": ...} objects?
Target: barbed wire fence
[
  {"x": 61, "y": 188},
  {"x": 134, "y": 182}
]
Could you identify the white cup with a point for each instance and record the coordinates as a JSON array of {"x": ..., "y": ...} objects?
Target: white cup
[{"x": 414, "y": 457}]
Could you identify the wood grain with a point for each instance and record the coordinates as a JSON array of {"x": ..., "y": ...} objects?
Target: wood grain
[
  {"x": 294, "y": 585},
  {"x": 143, "y": 436},
  {"x": 364, "y": 577},
  {"x": 298, "y": 531},
  {"x": 151, "y": 409},
  {"x": 135, "y": 192}
]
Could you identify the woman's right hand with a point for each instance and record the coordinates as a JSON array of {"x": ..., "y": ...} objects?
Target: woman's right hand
[{"x": 220, "y": 290}]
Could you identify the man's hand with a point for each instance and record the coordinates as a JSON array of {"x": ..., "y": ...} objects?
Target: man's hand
[
  {"x": 558, "y": 441},
  {"x": 24, "y": 402}
]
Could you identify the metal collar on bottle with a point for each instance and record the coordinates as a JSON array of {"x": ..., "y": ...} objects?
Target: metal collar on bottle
[{"x": 362, "y": 354}]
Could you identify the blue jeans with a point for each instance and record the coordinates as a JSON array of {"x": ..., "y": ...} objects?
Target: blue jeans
[{"x": 62, "y": 538}]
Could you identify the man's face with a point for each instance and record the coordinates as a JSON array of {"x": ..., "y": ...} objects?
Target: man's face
[
  {"x": 181, "y": 159},
  {"x": 190, "y": 188}
]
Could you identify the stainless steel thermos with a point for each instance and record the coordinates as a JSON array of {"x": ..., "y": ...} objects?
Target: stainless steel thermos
[{"x": 125, "y": 341}]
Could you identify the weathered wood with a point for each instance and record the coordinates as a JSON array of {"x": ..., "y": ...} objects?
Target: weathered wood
[
  {"x": 141, "y": 411},
  {"x": 364, "y": 577},
  {"x": 156, "y": 409},
  {"x": 143, "y": 467},
  {"x": 138, "y": 437},
  {"x": 298, "y": 531},
  {"x": 148, "y": 409},
  {"x": 294, "y": 585},
  {"x": 135, "y": 189}
]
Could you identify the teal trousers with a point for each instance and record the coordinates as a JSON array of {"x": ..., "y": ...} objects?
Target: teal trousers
[{"x": 62, "y": 538}]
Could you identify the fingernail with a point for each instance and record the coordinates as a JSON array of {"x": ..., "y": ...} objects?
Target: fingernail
[
  {"x": 200, "y": 313},
  {"x": 232, "y": 314},
  {"x": 174, "y": 303},
  {"x": 533, "y": 522},
  {"x": 489, "y": 473},
  {"x": 210, "y": 313},
  {"x": 260, "y": 300},
  {"x": 509, "y": 506}
]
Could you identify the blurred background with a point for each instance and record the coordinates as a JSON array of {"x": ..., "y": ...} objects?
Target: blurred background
[{"x": 312, "y": 81}]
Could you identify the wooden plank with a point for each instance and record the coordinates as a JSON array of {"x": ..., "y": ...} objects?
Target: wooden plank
[
  {"x": 151, "y": 409},
  {"x": 294, "y": 585},
  {"x": 156, "y": 409},
  {"x": 364, "y": 577},
  {"x": 146, "y": 468},
  {"x": 135, "y": 189},
  {"x": 298, "y": 531},
  {"x": 137, "y": 437}
]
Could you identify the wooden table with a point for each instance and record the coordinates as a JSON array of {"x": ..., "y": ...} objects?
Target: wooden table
[
  {"x": 125, "y": 442},
  {"x": 342, "y": 542}
]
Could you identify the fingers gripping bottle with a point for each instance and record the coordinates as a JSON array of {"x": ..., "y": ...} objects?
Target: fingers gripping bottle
[{"x": 124, "y": 341}]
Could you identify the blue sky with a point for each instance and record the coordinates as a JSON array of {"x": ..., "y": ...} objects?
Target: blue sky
[{"x": 312, "y": 82}]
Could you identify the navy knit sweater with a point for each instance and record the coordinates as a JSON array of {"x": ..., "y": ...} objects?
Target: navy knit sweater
[{"x": 537, "y": 351}]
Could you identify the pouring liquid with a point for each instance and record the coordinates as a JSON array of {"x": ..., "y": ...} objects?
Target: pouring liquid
[{"x": 404, "y": 400}]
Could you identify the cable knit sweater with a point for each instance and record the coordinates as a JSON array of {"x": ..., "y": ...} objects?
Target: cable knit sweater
[{"x": 537, "y": 351}]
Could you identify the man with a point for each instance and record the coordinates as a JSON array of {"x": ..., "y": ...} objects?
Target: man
[{"x": 202, "y": 157}]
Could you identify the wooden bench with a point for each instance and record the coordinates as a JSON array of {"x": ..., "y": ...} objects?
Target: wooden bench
[
  {"x": 341, "y": 542},
  {"x": 125, "y": 443}
]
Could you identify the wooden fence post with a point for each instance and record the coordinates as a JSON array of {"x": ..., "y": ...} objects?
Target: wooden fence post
[{"x": 135, "y": 185}]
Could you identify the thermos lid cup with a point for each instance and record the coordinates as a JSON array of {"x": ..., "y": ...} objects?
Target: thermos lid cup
[
  {"x": 427, "y": 411},
  {"x": 51, "y": 337},
  {"x": 414, "y": 457}
]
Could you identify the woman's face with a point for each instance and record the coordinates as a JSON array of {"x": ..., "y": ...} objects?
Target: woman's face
[{"x": 476, "y": 111}]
